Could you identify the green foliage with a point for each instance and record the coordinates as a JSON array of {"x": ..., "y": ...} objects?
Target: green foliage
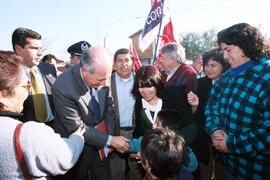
[{"x": 196, "y": 43}]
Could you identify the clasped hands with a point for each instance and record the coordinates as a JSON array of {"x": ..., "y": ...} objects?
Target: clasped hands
[
  {"x": 219, "y": 141},
  {"x": 120, "y": 143}
]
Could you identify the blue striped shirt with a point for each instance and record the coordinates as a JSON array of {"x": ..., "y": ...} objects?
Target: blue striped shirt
[{"x": 240, "y": 106}]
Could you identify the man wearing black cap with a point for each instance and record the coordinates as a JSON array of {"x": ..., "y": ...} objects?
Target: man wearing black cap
[{"x": 76, "y": 51}]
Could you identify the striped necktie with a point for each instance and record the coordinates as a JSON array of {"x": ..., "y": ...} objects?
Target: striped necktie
[{"x": 38, "y": 95}]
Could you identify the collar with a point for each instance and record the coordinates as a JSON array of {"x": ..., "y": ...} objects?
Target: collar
[
  {"x": 239, "y": 69},
  {"x": 121, "y": 79},
  {"x": 27, "y": 70},
  {"x": 169, "y": 75}
]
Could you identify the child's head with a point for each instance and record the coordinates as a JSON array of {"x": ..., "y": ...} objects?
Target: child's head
[
  {"x": 162, "y": 152},
  {"x": 168, "y": 118}
]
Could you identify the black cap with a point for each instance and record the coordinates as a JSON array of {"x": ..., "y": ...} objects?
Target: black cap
[{"x": 78, "y": 48}]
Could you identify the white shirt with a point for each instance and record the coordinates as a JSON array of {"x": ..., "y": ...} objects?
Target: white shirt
[{"x": 169, "y": 75}]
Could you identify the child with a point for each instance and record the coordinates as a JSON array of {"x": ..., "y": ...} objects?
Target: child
[
  {"x": 161, "y": 153},
  {"x": 171, "y": 119}
]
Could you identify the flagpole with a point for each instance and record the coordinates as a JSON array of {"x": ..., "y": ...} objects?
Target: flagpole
[{"x": 154, "y": 59}]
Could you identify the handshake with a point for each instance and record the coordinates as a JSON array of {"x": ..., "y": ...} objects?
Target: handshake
[{"x": 120, "y": 143}]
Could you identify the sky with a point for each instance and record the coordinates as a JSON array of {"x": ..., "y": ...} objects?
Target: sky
[{"x": 109, "y": 23}]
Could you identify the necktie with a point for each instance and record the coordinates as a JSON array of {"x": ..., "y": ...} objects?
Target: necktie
[
  {"x": 96, "y": 107},
  {"x": 38, "y": 97}
]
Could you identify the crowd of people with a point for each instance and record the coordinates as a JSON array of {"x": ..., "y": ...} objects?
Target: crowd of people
[{"x": 101, "y": 120}]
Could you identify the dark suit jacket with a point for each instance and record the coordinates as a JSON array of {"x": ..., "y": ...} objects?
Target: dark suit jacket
[
  {"x": 175, "y": 97},
  {"x": 48, "y": 74},
  {"x": 73, "y": 108},
  {"x": 115, "y": 100},
  {"x": 200, "y": 145}
]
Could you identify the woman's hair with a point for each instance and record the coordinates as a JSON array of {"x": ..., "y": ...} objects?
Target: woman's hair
[
  {"x": 147, "y": 76},
  {"x": 10, "y": 68},
  {"x": 215, "y": 55},
  {"x": 247, "y": 38}
]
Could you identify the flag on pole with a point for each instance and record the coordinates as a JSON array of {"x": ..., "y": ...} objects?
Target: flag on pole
[
  {"x": 151, "y": 27},
  {"x": 137, "y": 62},
  {"x": 167, "y": 35}
]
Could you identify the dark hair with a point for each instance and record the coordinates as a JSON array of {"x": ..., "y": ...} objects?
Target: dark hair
[
  {"x": 10, "y": 68},
  {"x": 170, "y": 119},
  {"x": 48, "y": 57},
  {"x": 20, "y": 34},
  {"x": 163, "y": 150},
  {"x": 215, "y": 55},
  {"x": 122, "y": 51},
  {"x": 196, "y": 57},
  {"x": 247, "y": 38},
  {"x": 147, "y": 76}
]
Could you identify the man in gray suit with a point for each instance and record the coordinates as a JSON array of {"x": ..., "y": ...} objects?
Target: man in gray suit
[{"x": 82, "y": 99}]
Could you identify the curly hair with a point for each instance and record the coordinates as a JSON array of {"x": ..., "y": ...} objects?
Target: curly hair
[
  {"x": 247, "y": 38},
  {"x": 215, "y": 55},
  {"x": 147, "y": 76}
]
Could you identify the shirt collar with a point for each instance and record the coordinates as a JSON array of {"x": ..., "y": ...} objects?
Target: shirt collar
[
  {"x": 27, "y": 70},
  {"x": 239, "y": 69},
  {"x": 119, "y": 78}
]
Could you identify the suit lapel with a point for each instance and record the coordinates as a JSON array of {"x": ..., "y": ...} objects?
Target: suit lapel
[
  {"x": 114, "y": 95},
  {"x": 85, "y": 94}
]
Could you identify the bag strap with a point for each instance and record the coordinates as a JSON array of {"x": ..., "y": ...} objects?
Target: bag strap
[{"x": 18, "y": 151}]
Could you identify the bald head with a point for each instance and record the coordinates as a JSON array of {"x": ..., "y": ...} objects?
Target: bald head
[
  {"x": 96, "y": 64},
  {"x": 96, "y": 57}
]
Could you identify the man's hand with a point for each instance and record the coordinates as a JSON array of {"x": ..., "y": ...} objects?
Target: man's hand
[
  {"x": 219, "y": 141},
  {"x": 120, "y": 143}
]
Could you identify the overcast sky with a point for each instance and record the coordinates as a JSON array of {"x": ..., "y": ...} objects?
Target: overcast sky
[{"x": 64, "y": 22}]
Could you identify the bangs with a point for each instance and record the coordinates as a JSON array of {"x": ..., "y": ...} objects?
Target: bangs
[{"x": 147, "y": 83}]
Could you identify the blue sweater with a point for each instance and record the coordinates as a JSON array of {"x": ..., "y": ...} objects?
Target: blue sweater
[{"x": 239, "y": 104}]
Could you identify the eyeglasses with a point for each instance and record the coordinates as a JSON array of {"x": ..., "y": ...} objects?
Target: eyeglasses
[{"x": 26, "y": 86}]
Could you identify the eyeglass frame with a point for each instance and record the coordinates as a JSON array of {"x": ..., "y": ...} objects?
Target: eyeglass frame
[{"x": 26, "y": 86}]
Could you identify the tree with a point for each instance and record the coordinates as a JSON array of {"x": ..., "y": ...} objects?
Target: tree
[{"x": 196, "y": 43}]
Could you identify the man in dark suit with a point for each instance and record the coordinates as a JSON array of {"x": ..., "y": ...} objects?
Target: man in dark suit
[
  {"x": 82, "y": 99},
  {"x": 38, "y": 106}
]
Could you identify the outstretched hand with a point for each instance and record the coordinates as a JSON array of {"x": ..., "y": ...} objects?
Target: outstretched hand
[{"x": 120, "y": 143}]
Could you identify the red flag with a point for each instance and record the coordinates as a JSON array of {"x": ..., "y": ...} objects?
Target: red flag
[
  {"x": 137, "y": 62},
  {"x": 166, "y": 37}
]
